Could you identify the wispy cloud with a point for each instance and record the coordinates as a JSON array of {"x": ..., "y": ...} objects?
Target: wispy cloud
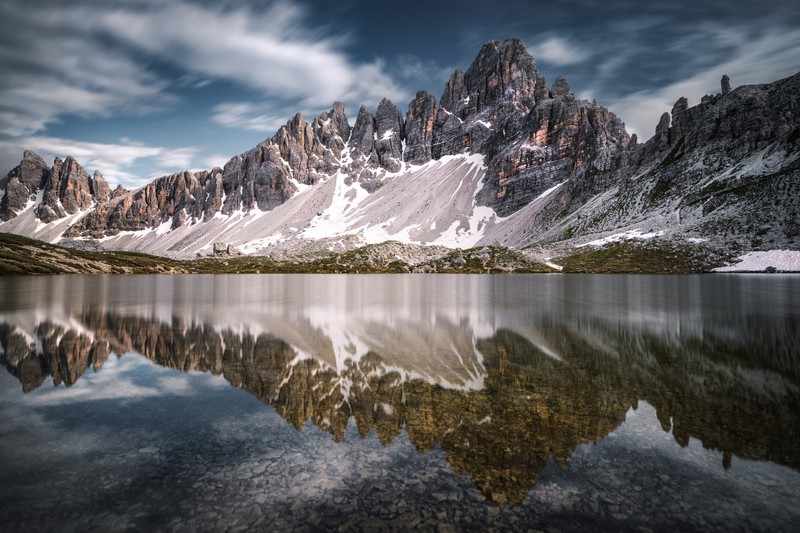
[
  {"x": 50, "y": 70},
  {"x": 248, "y": 116},
  {"x": 215, "y": 160},
  {"x": 419, "y": 73},
  {"x": 558, "y": 51},
  {"x": 272, "y": 50},
  {"x": 87, "y": 59},
  {"x": 178, "y": 158}
]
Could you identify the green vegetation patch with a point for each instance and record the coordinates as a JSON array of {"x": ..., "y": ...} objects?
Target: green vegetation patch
[
  {"x": 652, "y": 257},
  {"x": 20, "y": 255},
  {"x": 658, "y": 191}
]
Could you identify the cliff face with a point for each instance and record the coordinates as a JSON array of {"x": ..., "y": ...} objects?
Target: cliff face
[
  {"x": 299, "y": 154},
  {"x": 727, "y": 169},
  {"x": 726, "y": 166},
  {"x": 23, "y": 182},
  {"x": 66, "y": 188}
]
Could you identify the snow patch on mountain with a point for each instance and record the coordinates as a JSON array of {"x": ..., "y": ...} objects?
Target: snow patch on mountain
[
  {"x": 549, "y": 191},
  {"x": 164, "y": 228},
  {"x": 553, "y": 265},
  {"x": 780, "y": 260},
  {"x": 336, "y": 219},
  {"x": 26, "y": 223},
  {"x": 634, "y": 234}
]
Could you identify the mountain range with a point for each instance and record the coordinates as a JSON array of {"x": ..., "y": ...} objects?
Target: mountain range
[{"x": 501, "y": 158}]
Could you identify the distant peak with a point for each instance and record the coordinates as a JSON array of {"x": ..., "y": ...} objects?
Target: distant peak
[
  {"x": 561, "y": 88},
  {"x": 386, "y": 103},
  {"x": 499, "y": 67},
  {"x": 30, "y": 155},
  {"x": 514, "y": 43},
  {"x": 505, "y": 52}
]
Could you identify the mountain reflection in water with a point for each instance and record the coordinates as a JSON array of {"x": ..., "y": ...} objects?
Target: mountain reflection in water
[{"x": 502, "y": 375}]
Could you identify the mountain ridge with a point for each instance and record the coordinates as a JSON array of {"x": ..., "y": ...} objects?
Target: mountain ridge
[{"x": 553, "y": 171}]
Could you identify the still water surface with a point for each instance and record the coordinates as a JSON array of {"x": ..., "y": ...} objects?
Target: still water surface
[{"x": 396, "y": 402}]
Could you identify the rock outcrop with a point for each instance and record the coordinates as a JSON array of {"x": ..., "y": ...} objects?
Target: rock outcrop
[
  {"x": 726, "y": 169},
  {"x": 420, "y": 120},
  {"x": 725, "y": 85},
  {"x": 22, "y": 183},
  {"x": 390, "y": 135},
  {"x": 502, "y": 71},
  {"x": 66, "y": 188},
  {"x": 66, "y": 191}
]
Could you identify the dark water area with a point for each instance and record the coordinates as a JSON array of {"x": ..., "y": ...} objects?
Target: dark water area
[{"x": 443, "y": 403}]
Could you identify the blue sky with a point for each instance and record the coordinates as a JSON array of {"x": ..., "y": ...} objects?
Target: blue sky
[{"x": 142, "y": 88}]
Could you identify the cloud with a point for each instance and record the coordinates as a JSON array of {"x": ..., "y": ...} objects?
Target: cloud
[
  {"x": 180, "y": 158},
  {"x": 215, "y": 160},
  {"x": 272, "y": 50},
  {"x": 559, "y": 51},
  {"x": 49, "y": 70},
  {"x": 759, "y": 59},
  {"x": 90, "y": 59},
  {"x": 112, "y": 159},
  {"x": 248, "y": 116}
]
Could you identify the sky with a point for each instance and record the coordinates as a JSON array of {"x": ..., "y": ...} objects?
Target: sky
[{"x": 142, "y": 88}]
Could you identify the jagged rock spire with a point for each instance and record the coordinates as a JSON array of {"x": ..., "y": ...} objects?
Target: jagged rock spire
[
  {"x": 23, "y": 181},
  {"x": 500, "y": 68},
  {"x": 420, "y": 119},
  {"x": 725, "y": 84},
  {"x": 561, "y": 88},
  {"x": 662, "y": 132},
  {"x": 390, "y": 134},
  {"x": 362, "y": 140}
]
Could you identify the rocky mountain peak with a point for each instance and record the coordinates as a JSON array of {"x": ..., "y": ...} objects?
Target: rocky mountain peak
[
  {"x": 420, "y": 121},
  {"x": 390, "y": 134},
  {"x": 332, "y": 129},
  {"x": 561, "y": 88},
  {"x": 32, "y": 157},
  {"x": 22, "y": 182},
  {"x": 502, "y": 69},
  {"x": 100, "y": 188},
  {"x": 65, "y": 188},
  {"x": 662, "y": 132},
  {"x": 454, "y": 92},
  {"x": 66, "y": 191},
  {"x": 339, "y": 121},
  {"x": 362, "y": 139},
  {"x": 679, "y": 116}
]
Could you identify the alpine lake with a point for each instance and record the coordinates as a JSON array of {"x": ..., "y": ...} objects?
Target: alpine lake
[{"x": 394, "y": 402}]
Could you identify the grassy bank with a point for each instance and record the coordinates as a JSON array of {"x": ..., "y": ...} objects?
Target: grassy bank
[{"x": 20, "y": 255}]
